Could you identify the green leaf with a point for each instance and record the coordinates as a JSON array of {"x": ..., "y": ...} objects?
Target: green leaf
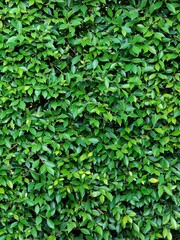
[
  {"x": 136, "y": 227},
  {"x": 93, "y": 140},
  {"x": 136, "y": 49},
  {"x": 2, "y": 191},
  {"x": 164, "y": 232},
  {"x": 166, "y": 219},
  {"x": 164, "y": 140},
  {"x": 18, "y": 25},
  {"x": 109, "y": 196},
  {"x": 168, "y": 190},
  {"x": 102, "y": 198},
  {"x": 95, "y": 194},
  {"x": 110, "y": 12},
  {"x": 154, "y": 119},
  {"x": 10, "y": 184},
  {"x": 99, "y": 230},
  {"x": 50, "y": 170},
  {"x": 111, "y": 165},
  {"x": 174, "y": 223},
  {"x": 33, "y": 131},
  {"x": 108, "y": 116},
  {"x": 143, "y": 3},
  {"x": 176, "y": 133},
  {"x": 169, "y": 235},
  {"x": 146, "y": 191},
  {"x": 50, "y": 223},
  {"x": 126, "y": 160},
  {"x": 83, "y": 157},
  {"x": 51, "y": 237},
  {"x": 159, "y": 130},
  {"x": 22, "y": 105},
  {"x": 43, "y": 169},
  {"x": 106, "y": 80},
  {"x": 38, "y": 220},
  {"x": 7, "y": 143},
  {"x": 124, "y": 221},
  {"x": 59, "y": 1},
  {"x": 119, "y": 154},
  {"x": 31, "y": 2},
  {"x": 159, "y": 35},
  {"x": 70, "y": 226},
  {"x": 155, "y": 6},
  {"x": 160, "y": 191},
  {"x": 95, "y": 64},
  {"x": 54, "y": 105},
  {"x": 152, "y": 50},
  {"x": 52, "y": 128},
  {"x": 12, "y": 39},
  {"x": 85, "y": 231},
  {"x": 64, "y": 26},
  {"x": 171, "y": 7},
  {"x": 2, "y": 231},
  {"x": 75, "y": 60}
]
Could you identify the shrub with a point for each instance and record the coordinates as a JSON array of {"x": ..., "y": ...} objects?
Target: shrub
[{"x": 89, "y": 119}]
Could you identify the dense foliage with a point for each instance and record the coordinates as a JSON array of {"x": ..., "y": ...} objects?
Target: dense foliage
[{"x": 89, "y": 119}]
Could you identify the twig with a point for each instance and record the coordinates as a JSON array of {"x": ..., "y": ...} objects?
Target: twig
[{"x": 13, "y": 146}]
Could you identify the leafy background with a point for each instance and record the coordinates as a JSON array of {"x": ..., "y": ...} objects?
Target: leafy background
[{"x": 89, "y": 119}]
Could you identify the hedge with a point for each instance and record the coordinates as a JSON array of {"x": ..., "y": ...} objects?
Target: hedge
[{"x": 89, "y": 119}]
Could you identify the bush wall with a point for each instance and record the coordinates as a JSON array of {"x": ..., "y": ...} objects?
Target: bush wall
[{"x": 89, "y": 119}]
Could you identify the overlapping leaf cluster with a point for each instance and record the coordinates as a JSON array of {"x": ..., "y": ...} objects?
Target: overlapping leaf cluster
[{"x": 89, "y": 119}]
